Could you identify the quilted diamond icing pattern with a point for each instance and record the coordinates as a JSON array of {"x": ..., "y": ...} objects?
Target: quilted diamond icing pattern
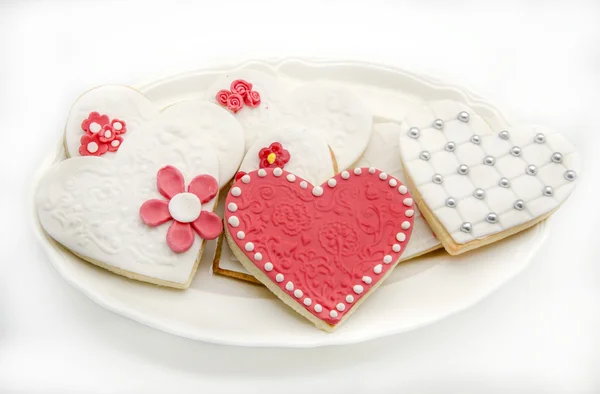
[{"x": 495, "y": 179}]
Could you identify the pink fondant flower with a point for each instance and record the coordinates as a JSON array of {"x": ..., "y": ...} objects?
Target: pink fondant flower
[
  {"x": 235, "y": 102},
  {"x": 241, "y": 87},
  {"x": 222, "y": 96},
  {"x": 115, "y": 144},
  {"x": 184, "y": 208},
  {"x": 107, "y": 134},
  {"x": 94, "y": 123},
  {"x": 252, "y": 99},
  {"x": 119, "y": 126},
  {"x": 92, "y": 146},
  {"x": 273, "y": 156}
]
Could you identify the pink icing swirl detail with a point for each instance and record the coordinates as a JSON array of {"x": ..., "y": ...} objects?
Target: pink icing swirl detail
[
  {"x": 241, "y": 87},
  {"x": 252, "y": 99},
  {"x": 222, "y": 96},
  {"x": 235, "y": 102},
  {"x": 241, "y": 94}
]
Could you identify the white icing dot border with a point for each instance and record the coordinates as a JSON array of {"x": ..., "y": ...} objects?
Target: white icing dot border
[{"x": 318, "y": 191}]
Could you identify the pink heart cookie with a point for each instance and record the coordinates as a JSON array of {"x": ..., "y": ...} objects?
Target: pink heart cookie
[{"x": 321, "y": 249}]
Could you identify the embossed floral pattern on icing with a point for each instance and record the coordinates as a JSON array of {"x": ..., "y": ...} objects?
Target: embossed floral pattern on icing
[
  {"x": 291, "y": 218},
  {"x": 321, "y": 245},
  {"x": 183, "y": 208},
  {"x": 338, "y": 238}
]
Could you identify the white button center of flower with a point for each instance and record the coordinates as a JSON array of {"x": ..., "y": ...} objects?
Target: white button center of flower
[
  {"x": 92, "y": 147},
  {"x": 95, "y": 127},
  {"x": 185, "y": 207}
]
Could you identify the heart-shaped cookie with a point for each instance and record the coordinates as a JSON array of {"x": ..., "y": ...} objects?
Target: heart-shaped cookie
[
  {"x": 320, "y": 249},
  {"x": 103, "y": 118},
  {"x": 142, "y": 214},
  {"x": 475, "y": 185},
  {"x": 336, "y": 113}
]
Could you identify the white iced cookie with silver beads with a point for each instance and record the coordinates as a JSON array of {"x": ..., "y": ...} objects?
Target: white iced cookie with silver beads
[{"x": 476, "y": 185}]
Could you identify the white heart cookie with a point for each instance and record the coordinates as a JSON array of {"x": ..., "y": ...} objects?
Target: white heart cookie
[
  {"x": 382, "y": 153},
  {"x": 112, "y": 213},
  {"x": 337, "y": 113},
  {"x": 475, "y": 185},
  {"x": 333, "y": 111},
  {"x": 119, "y": 111}
]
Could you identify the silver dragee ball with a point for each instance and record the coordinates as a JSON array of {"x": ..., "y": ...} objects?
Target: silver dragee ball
[
  {"x": 548, "y": 191},
  {"x": 492, "y": 217},
  {"x": 476, "y": 139},
  {"x": 438, "y": 124},
  {"x": 414, "y": 132},
  {"x": 450, "y": 146},
  {"x": 463, "y": 116},
  {"x": 503, "y": 135},
  {"x": 531, "y": 169},
  {"x": 489, "y": 161},
  {"x": 504, "y": 182},
  {"x": 463, "y": 169},
  {"x": 540, "y": 138},
  {"x": 519, "y": 205},
  {"x": 515, "y": 151},
  {"x": 557, "y": 157},
  {"x": 437, "y": 178},
  {"x": 466, "y": 227},
  {"x": 424, "y": 155},
  {"x": 451, "y": 202},
  {"x": 570, "y": 175},
  {"x": 479, "y": 193}
]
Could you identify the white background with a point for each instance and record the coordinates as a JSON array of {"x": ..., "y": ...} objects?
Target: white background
[{"x": 539, "y": 333}]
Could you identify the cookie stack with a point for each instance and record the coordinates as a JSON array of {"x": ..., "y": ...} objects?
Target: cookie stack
[{"x": 303, "y": 189}]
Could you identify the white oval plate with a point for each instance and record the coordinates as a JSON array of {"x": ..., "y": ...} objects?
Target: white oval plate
[{"x": 223, "y": 310}]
